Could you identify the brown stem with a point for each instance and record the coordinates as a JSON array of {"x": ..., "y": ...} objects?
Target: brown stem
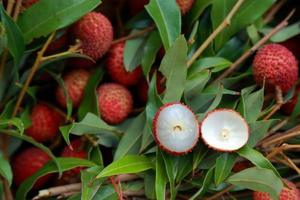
[
  {"x": 17, "y": 9},
  {"x": 278, "y": 126},
  {"x": 67, "y": 194},
  {"x": 7, "y": 193},
  {"x": 10, "y": 6},
  {"x": 288, "y": 160},
  {"x": 248, "y": 53},
  {"x": 280, "y": 138},
  {"x": 279, "y": 103},
  {"x": 226, "y": 22},
  {"x": 215, "y": 196},
  {"x": 134, "y": 35},
  {"x": 273, "y": 10}
]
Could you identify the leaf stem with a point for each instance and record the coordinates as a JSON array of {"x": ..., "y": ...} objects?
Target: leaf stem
[
  {"x": 226, "y": 22},
  {"x": 248, "y": 53},
  {"x": 17, "y": 9}
]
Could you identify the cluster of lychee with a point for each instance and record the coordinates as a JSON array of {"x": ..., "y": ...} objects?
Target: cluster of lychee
[{"x": 94, "y": 33}]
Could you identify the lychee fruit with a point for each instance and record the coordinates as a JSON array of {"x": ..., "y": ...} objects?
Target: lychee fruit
[
  {"x": 224, "y": 130},
  {"x": 241, "y": 165},
  {"x": 116, "y": 69},
  {"x": 45, "y": 122},
  {"x": 95, "y": 32},
  {"x": 115, "y": 102},
  {"x": 185, "y": 5},
  {"x": 143, "y": 87},
  {"x": 28, "y": 162},
  {"x": 291, "y": 193},
  {"x": 175, "y": 128},
  {"x": 76, "y": 150},
  {"x": 75, "y": 83},
  {"x": 289, "y": 106},
  {"x": 136, "y": 6},
  {"x": 277, "y": 66}
]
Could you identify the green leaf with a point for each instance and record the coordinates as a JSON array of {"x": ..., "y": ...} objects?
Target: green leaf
[
  {"x": 285, "y": 33},
  {"x": 197, "y": 9},
  {"x": 15, "y": 122},
  {"x": 131, "y": 140},
  {"x": 89, "y": 102},
  {"x": 5, "y": 170},
  {"x": 160, "y": 177},
  {"x": 206, "y": 183},
  {"x": 52, "y": 15},
  {"x": 216, "y": 63},
  {"x": 257, "y": 159},
  {"x": 134, "y": 52},
  {"x": 248, "y": 13},
  {"x": 167, "y": 18},
  {"x": 91, "y": 124},
  {"x": 106, "y": 192},
  {"x": 151, "y": 48},
  {"x": 90, "y": 188},
  {"x": 258, "y": 131},
  {"x": 224, "y": 164},
  {"x": 174, "y": 68},
  {"x": 259, "y": 180},
  {"x": 251, "y": 105},
  {"x": 15, "y": 40},
  {"x": 65, "y": 163},
  {"x": 127, "y": 164},
  {"x": 149, "y": 180}
]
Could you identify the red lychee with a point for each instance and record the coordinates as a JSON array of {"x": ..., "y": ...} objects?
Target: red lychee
[
  {"x": 45, "y": 122},
  {"x": 77, "y": 151},
  {"x": 289, "y": 106},
  {"x": 75, "y": 83},
  {"x": 95, "y": 33},
  {"x": 116, "y": 68},
  {"x": 27, "y": 163},
  {"x": 291, "y": 193},
  {"x": 136, "y": 6},
  {"x": 276, "y": 65},
  {"x": 115, "y": 102},
  {"x": 185, "y": 5}
]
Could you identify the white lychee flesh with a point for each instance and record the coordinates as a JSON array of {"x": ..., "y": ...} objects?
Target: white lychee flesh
[
  {"x": 176, "y": 128},
  {"x": 224, "y": 130}
]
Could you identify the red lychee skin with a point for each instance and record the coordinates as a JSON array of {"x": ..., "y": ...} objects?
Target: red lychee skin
[
  {"x": 45, "y": 122},
  {"x": 95, "y": 32},
  {"x": 136, "y": 6},
  {"x": 143, "y": 87},
  {"x": 77, "y": 151},
  {"x": 289, "y": 106},
  {"x": 28, "y": 3},
  {"x": 218, "y": 110},
  {"x": 291, "y": 193},
  {"x": 75, "y": 83},
  {"x": 116, "y": 69},
  {"x": 154, "y": 131},
  {"x": 27, "y": 163},
  {"x": 277, "y": 65},
  {"x": 185, "y": 5},
  {"x": 240, "y": 166},
  {"x": 57, "y": 44},
  {"x": 115, "y": 102}
]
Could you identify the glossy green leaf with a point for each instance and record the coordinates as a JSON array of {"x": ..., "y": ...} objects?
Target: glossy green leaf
[
  {"x": 284, "y": 34},
  {"x": 206, "y": 183},
  {"x": 127, "y": 164},
  {"x": 257, "y": 159},
  {"x": 224, "y": 165},
  {"x": 198, "y": 7},
  {"x": 195, "y": 84},
  {"x": 258, "y": 131},
  {"x": 160, "y": 177},
  {"x": 16, "y": 122},
  {"x": 65, "y": 163},
  {"x": 90, "y": 186},
  {"x": 174, "y": 68},
  {"x": 106, "y": 192},
  {"x": 149, "y": 180},
  {"x": 215, "y": 63},
  {"x": 152, "y": 46},
  {"x": 258, "y": 179},
  {"x": 89, "y": 103},
  {"x": 5, "y": 169},
  {"x": 52, "y": 15},
  {"x": 91, "y": 124},
  {"x": 15, "y": 40},
  {"x": 134, "y": 52},
  {"x": 167, "y": 18},
  {"x": 131, "y": 140}
]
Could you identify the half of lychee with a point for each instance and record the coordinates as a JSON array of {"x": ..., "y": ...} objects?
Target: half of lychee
[
  {"x": 175, "y": 128},
  {"x": 224, "y": 130}
]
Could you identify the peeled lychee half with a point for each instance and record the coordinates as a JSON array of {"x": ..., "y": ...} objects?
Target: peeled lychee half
[
  {"x": 175, "y": 128},
  {"x": 275, "y": 66},
  {"x": 224, "y": 130}
]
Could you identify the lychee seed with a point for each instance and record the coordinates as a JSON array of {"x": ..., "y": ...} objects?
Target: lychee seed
[
  {"x": 224, "y": 130},
  {"x": 175, "y": 128}
]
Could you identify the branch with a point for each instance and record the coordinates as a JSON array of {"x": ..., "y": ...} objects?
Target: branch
[
  {"x": 58, "y": 191},
  {"x": 10, "y": 6},
  {"x": 215, "y": 33},
  {"x": 248, "y": 53},
  {"x": 281, "y": 137},
  {"x": 17, "y": 9},
  {"x": 273, "y": 10}
]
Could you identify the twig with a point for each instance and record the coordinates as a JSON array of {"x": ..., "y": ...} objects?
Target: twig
[
  {"x": 282, "y": 137},
  {"x": 278, "y": 126},
  {"x": 7, "y": 191},
  {"x": 283, "y": 147},
  {"x": 226, "y": 22},
  {"x": 17, "y": 9},
  {"x": 288, "y": 160},
  {"x": 134, "y": 35},
  {"x": 56, "y": 191},
  {"x": 215, "y": 196},
  {"x": 277, "y": 106},
  {"x": 273, "y": 10},
  {"x": 32, "y": 72},
  {"x": 10, "y": 6},
  {"x": 248, "y": 53},
  {"x": 116, "y": 187},
  {"x": 68, "y": 194}
]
